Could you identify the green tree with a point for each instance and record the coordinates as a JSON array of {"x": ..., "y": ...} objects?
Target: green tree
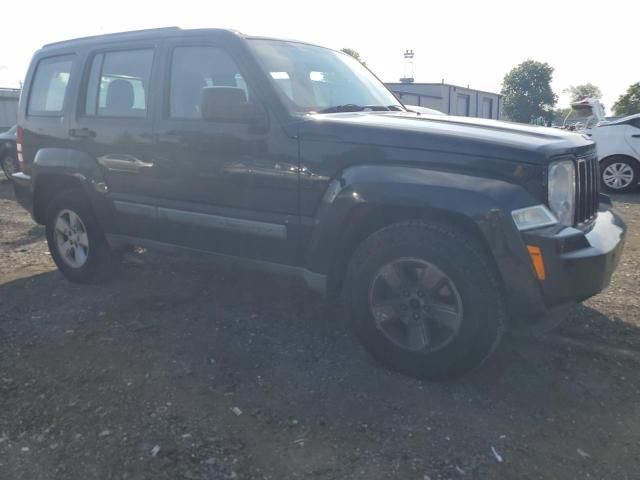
[
  {"x": 527, "y": 91},
  {"x": 586, "y": 90},
  {"x": 354, "y": 54},
  {"x": 629, "y": 102}
]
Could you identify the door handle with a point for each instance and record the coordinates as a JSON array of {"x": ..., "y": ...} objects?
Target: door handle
[
  {"x": 123, "y": 163},
  {"x": 636, "y": 135},
  {"x": 82, "y": 133}
]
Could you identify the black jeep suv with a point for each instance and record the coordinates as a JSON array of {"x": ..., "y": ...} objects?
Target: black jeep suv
[{"x": 295, "y": 158}]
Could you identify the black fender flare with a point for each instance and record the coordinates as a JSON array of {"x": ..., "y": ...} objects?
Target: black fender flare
[
  {"x": 73, "y": 166},
  {"x": 486, "y": 203}
]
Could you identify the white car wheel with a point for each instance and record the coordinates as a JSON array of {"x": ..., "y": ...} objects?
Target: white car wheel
[{"x": 619, "y": 174}]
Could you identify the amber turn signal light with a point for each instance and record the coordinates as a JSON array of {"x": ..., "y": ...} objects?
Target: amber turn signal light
[{"x": 537, "y": 261}]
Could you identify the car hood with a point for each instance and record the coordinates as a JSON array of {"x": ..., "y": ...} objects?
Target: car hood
[{"x": 462, "y": 135}]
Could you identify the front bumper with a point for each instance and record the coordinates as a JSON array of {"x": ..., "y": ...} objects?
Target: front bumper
[
  {"x": 22, "y": 190},
  {"x": 579, "y": 263}
]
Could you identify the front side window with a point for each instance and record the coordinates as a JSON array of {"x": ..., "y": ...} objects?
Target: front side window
[
  {"x": 315, "y": 79},
  {"x": 50, "y": 86},
  {"x": 194, "y": 68},
  {"x": 118, "y": 84}
]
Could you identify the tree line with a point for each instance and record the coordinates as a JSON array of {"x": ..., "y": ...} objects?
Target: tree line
[{"x": 528, "y": 95}]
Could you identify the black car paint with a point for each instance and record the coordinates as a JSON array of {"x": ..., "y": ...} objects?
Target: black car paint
[{"x": 289, "y": 188}]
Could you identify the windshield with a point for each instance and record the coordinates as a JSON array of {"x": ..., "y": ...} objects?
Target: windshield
[{"x": 315, "y": 79}]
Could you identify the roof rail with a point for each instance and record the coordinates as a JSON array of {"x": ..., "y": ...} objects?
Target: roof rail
[{"x": 116, "y": 34}]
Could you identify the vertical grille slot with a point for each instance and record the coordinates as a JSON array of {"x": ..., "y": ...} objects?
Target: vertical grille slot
[
  {"x": 587, "y": 188},
  {"x": 589, "y": 182},
  {"x": 582, "y": 190},
  {"x": 596, "y": 184}
]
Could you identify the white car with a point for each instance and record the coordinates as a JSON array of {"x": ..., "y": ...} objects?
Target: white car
[{"x": 618, "y": 145}]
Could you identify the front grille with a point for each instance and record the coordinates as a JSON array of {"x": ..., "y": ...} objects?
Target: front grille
[{"x": 587, "y": 188}]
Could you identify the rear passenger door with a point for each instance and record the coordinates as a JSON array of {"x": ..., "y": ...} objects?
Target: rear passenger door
[{"x": 113, "y": 124}]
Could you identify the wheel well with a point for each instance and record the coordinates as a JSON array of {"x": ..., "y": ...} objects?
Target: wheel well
[
  {"x": 46, "y": 188},
  {"x": 366, "y": 220},
  {"x": 622, "y": 155}
]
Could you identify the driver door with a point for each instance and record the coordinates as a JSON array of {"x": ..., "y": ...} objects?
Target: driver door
[{"x": 223, "y": 186}]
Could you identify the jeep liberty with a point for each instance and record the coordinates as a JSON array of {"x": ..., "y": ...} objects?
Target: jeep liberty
[{"x": 437, "y": 231}]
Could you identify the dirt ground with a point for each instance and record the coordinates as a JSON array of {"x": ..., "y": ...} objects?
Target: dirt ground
[{"x": 180, "y": 369}]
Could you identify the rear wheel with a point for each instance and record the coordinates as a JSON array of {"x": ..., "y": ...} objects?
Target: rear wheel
[
  {"x": 76, "y": 242},
  {"x": 425, "y": 300},
  {"x": 619, "y": 174}
]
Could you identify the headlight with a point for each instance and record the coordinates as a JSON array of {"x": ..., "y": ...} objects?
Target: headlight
[
  {"x": 562, "y": 191},
  {"x": 537, "y": 216}
]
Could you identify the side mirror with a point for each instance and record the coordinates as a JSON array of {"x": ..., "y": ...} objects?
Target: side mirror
[{"x": 226, "y": 104}]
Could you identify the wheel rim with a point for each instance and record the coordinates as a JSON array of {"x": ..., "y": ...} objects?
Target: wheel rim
[
  {"x": 617, "y": 175},
  {"x": 10, "y": 166},
  {"x": 71, "y": 239},
  {"x": 415, "y": 305}
]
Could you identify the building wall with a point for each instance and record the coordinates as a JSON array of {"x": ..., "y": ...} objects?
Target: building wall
[
  {"x": 450, "y": 99},
  {"x": 8, "y": 107}
]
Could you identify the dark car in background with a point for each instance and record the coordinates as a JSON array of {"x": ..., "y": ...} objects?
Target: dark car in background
[
  {"x": 8, "y": 153},
  {"x": 438, "y": 231}
]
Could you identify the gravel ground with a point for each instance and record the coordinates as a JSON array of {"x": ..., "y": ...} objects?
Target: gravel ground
[{"x": 179, "y": 369}]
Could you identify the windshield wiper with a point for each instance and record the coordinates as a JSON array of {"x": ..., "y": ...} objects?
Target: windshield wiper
[{"x": 352, "y": 107}]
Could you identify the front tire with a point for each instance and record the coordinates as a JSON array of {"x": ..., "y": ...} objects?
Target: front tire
[
  {"x": 75, "y": 239},
  {"x": 425, "y": 300},
  {"x": 619, "y": 174}
]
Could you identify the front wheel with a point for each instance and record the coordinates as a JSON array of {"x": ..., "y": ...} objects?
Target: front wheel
[
  {"x": 75, "y": 240},
  {"x": 425, "y": 300},
  {"x": 619, "y": 174}
]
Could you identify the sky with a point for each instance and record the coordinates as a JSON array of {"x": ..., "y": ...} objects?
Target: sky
[{"x": 464, "y": 42}]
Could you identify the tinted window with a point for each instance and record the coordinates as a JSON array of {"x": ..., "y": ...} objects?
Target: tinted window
[
  {"x": 195, "y": 68},
  {"x": 118, "y": 84},
  {"x": 635, "y": 122},
  {"x": 49, "y": 86}
]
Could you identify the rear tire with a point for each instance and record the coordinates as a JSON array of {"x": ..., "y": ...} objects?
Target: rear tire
[
  {"x": 619, "y": 174},
  {"x": 76, "y": 241},
  {"x": 465, "y": 283}
]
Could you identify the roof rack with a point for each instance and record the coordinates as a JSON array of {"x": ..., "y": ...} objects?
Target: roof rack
[{"x": 116, "y": 34}]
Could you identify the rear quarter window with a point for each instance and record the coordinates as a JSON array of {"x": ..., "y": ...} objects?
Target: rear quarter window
[{"x": 49, "y": 86}]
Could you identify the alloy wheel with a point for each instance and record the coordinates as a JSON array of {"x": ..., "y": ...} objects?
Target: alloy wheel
[
  {"x": 415, "y": 305},
  {"x": 618, "y": 175},
  {"x": 71, "y": 238},
  {"x": 10, "y": 166}
]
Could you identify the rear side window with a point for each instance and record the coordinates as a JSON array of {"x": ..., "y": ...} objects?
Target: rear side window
[
  {"x": 49, "y": 86},
  {"x": 118, "y": 84}
]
